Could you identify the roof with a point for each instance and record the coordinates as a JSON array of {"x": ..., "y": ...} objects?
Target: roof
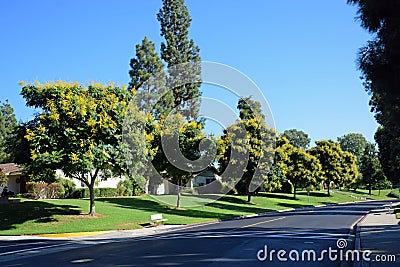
[{"x": 8, "y": 168}]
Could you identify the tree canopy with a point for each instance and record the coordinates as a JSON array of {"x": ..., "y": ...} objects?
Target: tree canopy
[
  {"x": 299, "y": 167},
  {"x": 337, "y": 165},
  {"x": 149, "y": 81},
  {"x": 297, "y": 138},
  {"x": 249, "y": 146},
  {"x": 177, "y": 50},
  {"x": 8, "y": 124},
  {"x": 79, "y": 131},
  {"x": 379, "y": 62}
]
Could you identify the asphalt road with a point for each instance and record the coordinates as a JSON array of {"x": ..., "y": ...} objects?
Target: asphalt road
[{"x": 266, "y": 240}]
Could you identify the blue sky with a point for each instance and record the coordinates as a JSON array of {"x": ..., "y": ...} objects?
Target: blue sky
[{"x": 301, "y": 54}]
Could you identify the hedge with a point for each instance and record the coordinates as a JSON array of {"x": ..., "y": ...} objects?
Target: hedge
[{"x": 98, "y": 192}]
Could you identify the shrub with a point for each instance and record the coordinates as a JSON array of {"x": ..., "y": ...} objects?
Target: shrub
[
  {"x": 42, "y": 190},
  {"x": 189, "y": 191},
  {"x": 287, "y": 187},
  {"x": 24, "y": 195},
  {"x": 130, "y": 187},
  {"x": 108, "y": 192},
  {"x": 67, "y": 186},
  {"x": 98, "y": 192}
]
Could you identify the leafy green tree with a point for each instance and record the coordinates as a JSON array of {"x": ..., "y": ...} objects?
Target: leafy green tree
[
  {"x": 297, "y": 138},
  {"x": 149, "y": 81},
  {"x": 80, "y": 131},
  {"x": 298, "y": 166},
  {"x": 389, "y": 152},
  {"x": 8, "y": 123},
  {"x": 371, "y": 168},
  {"x": 302, "y": 169},
  {"x": 350, "y": 173},
  {"x": 379, "y": 62},
  {"x": 330, "y": 155},
  {"x": 354, "y": 143},
  {"x": 252, "y": 142},
  {"x": 178, "y": 49},
  {"x": 181, "y": 148}
]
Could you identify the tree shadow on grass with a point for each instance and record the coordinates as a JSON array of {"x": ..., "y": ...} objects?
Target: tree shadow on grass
[
  {"x": 37, "y": 211},
  {"x": 275, "y": 195},
  {"x": 231, "y": 199},
  {"x": 156, "y": 207},
  {"x": 314, "y": 194}
]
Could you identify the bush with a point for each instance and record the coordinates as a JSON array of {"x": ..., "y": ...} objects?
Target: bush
[
  {"x": 129, "y": 187},
  {"x": 67, "y": 187},
  {"x": 189, "y": 191},
  {"x": 98, "y": 192},
  {"x": 287, "y": 187},
  {"x": 24, "y": 195},
  {"x": 42, "y": 190}
]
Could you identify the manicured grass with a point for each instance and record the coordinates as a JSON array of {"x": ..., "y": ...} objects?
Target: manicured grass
[{"x": 69, "y": 215}]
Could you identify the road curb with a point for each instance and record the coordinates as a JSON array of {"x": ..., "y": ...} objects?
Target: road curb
[{"x": 357, "y": 241}]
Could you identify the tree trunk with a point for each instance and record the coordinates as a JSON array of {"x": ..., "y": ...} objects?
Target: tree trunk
[
  {"x": 178, "y": 201},
  {"x": 370, "y": 189},
  {"x": 92, "y": 208},
  {"x": 146, "y": 187},
  {"x": 249, "y": 197},
  {"x": 329, "y": 187},
  {"x": 294, "y": 191}
]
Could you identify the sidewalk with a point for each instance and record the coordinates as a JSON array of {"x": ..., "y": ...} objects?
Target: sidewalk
[{"x": 379, "y": 232}]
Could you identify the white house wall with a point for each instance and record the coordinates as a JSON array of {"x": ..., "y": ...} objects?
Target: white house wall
[
  {"x": 109, "y": 183},
  {"x": 12, "y": 183}
]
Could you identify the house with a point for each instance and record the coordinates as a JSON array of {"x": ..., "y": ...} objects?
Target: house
[
  {"x": 208, "y": 182},
  {"x": 16, "y": 181},
  {"x": 206, "y": 177},
  {"x": 110, "y": 182},
  {"x": 205, "y": 182}
]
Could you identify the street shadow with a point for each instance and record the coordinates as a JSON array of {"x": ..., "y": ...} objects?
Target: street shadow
[{"x": 14, "y": 214}]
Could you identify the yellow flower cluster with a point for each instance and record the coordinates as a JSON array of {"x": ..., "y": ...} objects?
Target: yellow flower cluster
[
  {"x": 33, "y": 154},
  {"x": 74, "y": 158},
  {"x": 29, "y": 135}
]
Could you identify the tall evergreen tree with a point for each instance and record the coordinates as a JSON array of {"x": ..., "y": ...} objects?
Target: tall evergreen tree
[
  {"x": 149, "y": 80},
  {"x": 179, "y": 49},
  {"x": 8, "y": 123}
]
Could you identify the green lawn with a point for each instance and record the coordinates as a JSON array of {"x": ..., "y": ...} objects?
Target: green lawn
[{"x": 69, "y": 215}]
